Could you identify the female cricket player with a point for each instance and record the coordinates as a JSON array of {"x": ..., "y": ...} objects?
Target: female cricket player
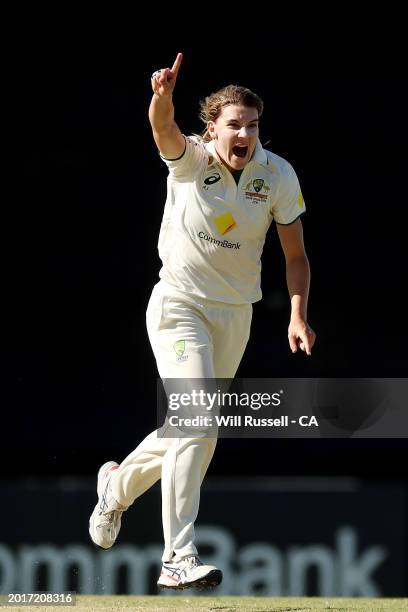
[{"x": 223, "y": 192}]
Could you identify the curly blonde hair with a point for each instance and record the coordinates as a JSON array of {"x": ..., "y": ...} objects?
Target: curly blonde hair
[{"x": 211, "y": 107}]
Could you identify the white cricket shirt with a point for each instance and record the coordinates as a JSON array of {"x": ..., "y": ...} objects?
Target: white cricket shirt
[{"x": 213, "y": 230}]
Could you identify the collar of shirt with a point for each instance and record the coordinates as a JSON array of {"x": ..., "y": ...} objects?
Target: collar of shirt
[{"x": 258, "y": 156}]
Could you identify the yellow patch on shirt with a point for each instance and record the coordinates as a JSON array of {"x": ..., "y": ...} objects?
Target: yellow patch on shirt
[
  {"x": 300, "y": 200},
  {"x": 225, "y": 223}
]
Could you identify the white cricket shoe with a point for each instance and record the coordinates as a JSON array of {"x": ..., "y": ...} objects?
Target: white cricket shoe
[
  {"x": 105, "y": 521},
  {"x": 189, "y": 572}
]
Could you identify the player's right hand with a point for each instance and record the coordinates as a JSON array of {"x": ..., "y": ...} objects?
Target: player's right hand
[{"x": 164, "y": 80}]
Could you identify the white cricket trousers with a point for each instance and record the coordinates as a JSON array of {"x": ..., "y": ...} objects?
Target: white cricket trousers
[{"x": 191, "y": 337}]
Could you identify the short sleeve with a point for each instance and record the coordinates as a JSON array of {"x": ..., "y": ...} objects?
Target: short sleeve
[
  {"x": 190, "y": 163},
  {"x": 289, "y": 204}
]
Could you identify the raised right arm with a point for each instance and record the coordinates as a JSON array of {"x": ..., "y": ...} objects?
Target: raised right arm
[{"x": 166, "y": 133}]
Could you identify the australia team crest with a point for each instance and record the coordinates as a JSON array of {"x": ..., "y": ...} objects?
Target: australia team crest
[{"x": 257, "y": 191}]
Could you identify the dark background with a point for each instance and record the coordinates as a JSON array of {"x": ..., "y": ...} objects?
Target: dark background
[{"x": 81, "y": 224}]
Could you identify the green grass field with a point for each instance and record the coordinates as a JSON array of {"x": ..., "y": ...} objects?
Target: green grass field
[{"x": 223, "y": 604}]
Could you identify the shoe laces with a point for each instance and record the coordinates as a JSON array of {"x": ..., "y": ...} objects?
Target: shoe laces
[
  {"x": 110, "y": 517},
  {"x": 193, "y": 561}
]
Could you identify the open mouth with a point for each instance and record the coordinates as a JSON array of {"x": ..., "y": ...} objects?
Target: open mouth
[{"x": 240, "y": 151}]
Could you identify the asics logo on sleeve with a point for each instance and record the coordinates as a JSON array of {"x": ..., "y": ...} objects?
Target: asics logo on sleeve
[{"x": 213, "y": 178}]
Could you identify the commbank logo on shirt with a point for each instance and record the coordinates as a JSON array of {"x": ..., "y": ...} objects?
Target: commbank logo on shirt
[
  {"x": 225, "y": 223},
  {"x": 222, "y": 243}
]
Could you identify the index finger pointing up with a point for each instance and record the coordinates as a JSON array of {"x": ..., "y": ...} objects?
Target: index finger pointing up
[{"x": 176, "y": 65}]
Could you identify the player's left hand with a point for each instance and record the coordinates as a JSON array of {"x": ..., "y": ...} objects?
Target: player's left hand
[{"x": 301, "y": 335}]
